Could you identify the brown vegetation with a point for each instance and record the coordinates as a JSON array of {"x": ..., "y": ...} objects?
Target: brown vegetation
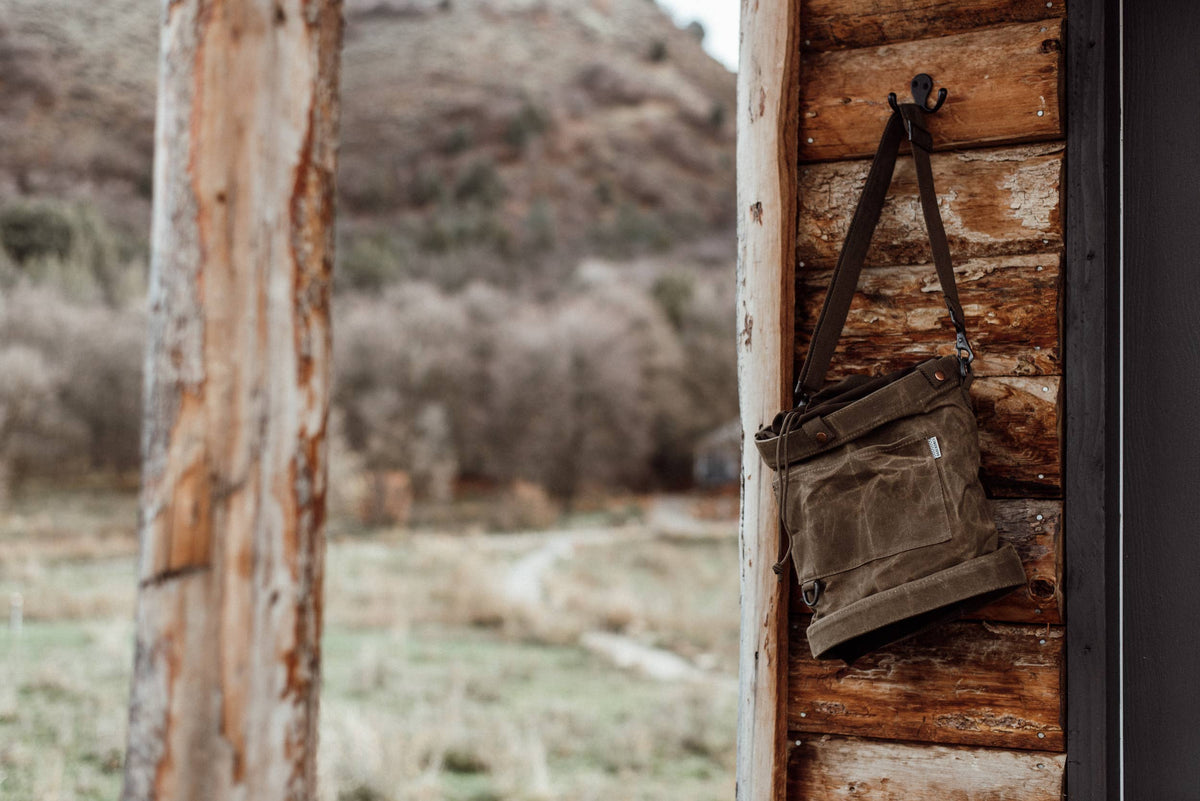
[
  {"x": 605, "y": 385},
  {"x": 475, "y": 339}
]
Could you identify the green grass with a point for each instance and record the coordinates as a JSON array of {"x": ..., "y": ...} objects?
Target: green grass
[
  {"x": 497, "y": 713},
  {"x": 62, "y": 710},
  {"x": 678, "y": 594},
  {"x": 456, "y": 714},
  {"x": 433, "y": 688}
]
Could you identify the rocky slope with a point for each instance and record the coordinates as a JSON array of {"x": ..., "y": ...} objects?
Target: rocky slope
[{"x": 509, "y": 127}]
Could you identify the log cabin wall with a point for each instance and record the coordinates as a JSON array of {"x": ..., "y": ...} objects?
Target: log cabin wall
[{"x": 973, "y": 709}]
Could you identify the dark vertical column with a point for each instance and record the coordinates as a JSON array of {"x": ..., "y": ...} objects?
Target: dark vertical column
[
  {"x": 1162, "y": 399},
  {"x": 1091, "y": 487}
]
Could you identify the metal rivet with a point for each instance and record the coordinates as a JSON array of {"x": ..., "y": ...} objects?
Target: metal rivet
[
  {"x": 803, "y": 714},
  {"x": 1041, "y": 765},
  {"x": 1039, "y": 268},
  {"x": 797, "y": 742},
  {"x": 1049, "y": 5},
  {"x": 1041, "y": 642},
  {"x": 807, "y": 42},
  {"x": 822, "y": 436},
  {"x": 1045, "y": 241},
  {"x": 1039, "y": 517},
  {"x": 1041, "y": 113},
  {"x": 1037, "y": 347},
  {"x": 1037, "y": 611},
  {"x": 1041, "y": 475},
  {"x": 1041, "y": 736},
  {"x": 1045, "y": 389},
  {"x": 939, "y": 375},
  {"x": 810, "y": 140}
]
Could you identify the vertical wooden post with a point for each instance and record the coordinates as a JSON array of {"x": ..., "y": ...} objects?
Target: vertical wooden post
[
  {"x": 1091, "y": 313},
  {"x": 767, "y": 120},
  {"x": 224, "y": 697}
]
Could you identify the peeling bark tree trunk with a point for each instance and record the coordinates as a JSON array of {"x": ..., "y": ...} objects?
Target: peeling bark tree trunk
[{"x": 224, "y": 699}]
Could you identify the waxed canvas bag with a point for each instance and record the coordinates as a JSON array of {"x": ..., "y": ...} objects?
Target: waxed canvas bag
[{"x": 877, "y": 478}]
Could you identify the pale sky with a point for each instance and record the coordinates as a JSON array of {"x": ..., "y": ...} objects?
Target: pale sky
[{"x": 720, "y": 21}]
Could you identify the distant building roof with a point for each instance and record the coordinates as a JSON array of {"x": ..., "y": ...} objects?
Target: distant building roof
[{"x": 718, "y": 456}]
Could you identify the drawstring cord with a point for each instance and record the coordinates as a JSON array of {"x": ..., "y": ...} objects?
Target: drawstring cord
[
  {"x": 785, "y": 428},
  {"x": 810, "y": 591}
]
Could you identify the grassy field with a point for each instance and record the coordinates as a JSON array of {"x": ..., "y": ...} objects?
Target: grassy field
[{"x": 437, "y": 685}]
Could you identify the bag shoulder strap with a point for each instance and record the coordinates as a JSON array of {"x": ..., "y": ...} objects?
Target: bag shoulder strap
[{"x": 907, "y": 121}]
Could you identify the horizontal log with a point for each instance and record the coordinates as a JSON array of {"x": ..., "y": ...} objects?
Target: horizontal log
[
  {"x": 831, "y": 768},
  {"x": 1019, "y": 435},
  {"x": 1032, "y": 527},
  {"x": 843, "y": 24},
  {"x": 899, "y": 316},
  {"x": 994, "y": 201},
  {"x": 1003, "y": 85},
  {"x": 966, "y": 683}
]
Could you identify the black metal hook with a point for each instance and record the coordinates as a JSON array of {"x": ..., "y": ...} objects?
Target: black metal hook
[{"x": 921, "y": 86}]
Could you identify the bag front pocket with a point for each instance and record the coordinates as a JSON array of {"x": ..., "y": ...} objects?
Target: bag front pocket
[{"x": 856, "y": 505}]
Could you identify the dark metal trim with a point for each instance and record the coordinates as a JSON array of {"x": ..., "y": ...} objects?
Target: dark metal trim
[
  {"x": 1160, "y": 427},
  {"x": 1091, "y": 346}
]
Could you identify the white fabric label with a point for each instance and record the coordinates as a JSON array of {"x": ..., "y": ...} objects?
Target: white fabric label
[{"x": 934, "y": 448}]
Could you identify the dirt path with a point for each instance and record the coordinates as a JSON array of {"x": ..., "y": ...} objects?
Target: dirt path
[{"x": 525, "y": 584}]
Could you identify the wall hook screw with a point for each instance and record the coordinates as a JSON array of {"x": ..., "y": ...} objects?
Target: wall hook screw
[{"x": 922, "y": 85}]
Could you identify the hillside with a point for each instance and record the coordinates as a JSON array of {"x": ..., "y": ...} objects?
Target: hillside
[
  {"x": 509, "y": 127},
  {"x": 535, "y": 239}
]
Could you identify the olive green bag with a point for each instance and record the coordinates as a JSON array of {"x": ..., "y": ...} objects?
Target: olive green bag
[{"x": 878, "y": 477}]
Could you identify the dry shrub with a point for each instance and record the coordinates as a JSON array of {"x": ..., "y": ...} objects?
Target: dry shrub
[
  {"x": 349, "y": 486},
  {"x": 30, "y": 416},
  {"x": 469, "y": 595},
  {"x": 401, "y": 361},
  {"x": 70, "y": 248},
  {"x": 541, "y": 624},
  {"x": 619, "y": 614},
  {"x": 71, "y": 396},
  {"x": 720, "y": 506},
  {"x": 568, "y": 394},
  {"x": 447, "y": 581},
  {"x": 519, "y": 506},
  {"x": 361, "y": 588},
  {"x": 529, "y": 506},
  {"x": 592, "y": 605},
  {"x": 388, "y": 500},
  {"x": 678, "y": 595}
]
